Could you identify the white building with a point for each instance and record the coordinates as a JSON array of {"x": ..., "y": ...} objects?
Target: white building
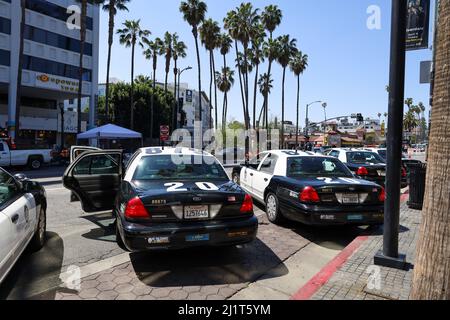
[{"x": 50, "y": 68}]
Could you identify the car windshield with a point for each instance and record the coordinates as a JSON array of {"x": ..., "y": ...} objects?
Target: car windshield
[
  {"x": 165, "y": 168},
  {"x": 316, "y": 166},
  {"x": 8, "y": 187},
  {"x": 383, "y": 153},
  {"x": 362, "y": 157}
]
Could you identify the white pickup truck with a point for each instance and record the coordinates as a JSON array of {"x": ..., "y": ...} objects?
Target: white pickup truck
[{"x": 32, "y": 158}]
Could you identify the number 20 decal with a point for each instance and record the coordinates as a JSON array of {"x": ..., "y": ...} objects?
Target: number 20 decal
[
  {"x": 338, "y": 181},
  {"x": 178, "y": 186}
]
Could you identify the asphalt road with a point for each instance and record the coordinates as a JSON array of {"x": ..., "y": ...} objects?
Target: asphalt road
[{"x": 82, "y": 240}]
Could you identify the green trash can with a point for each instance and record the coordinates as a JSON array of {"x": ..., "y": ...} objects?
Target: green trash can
[{"x": 417, "y": 180}]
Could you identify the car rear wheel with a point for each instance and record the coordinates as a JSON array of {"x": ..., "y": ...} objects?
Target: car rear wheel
[
  {"x": 119, "y": 238},
  {"x": 35, "y": 163},
  {"x": 272, "y": 209},
  {"x": 38, "y": 240}
]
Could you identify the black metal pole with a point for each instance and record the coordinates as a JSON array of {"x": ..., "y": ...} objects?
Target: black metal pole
[{"x": 390, "y": 256}]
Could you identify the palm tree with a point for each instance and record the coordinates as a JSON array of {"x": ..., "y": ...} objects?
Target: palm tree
[
  {"x": 288, "y": 48},
  {"x": 179, "y": 51},
  {"x": 155, "y": 49},
  {"x": 271, "y": 18},
  {"x": 256, "y": 57},
  {"x": 168, "y": 52},
  {"x": 231, "y": 23},
  {"x": 431, "y": 268},
  {"x": 225, "y": 82},
  {"x": 194, "y": 12},
  {"x": 130, "y": 35},
  {"x": 19, "y": 72},
  {"x": 265, "y": 87},
  {"x": 83, "y": 27},
  {"x": 224, "y": 44},
  {"x": 271, "y": 50},
  {"x": 209, "y": 36},
  {"x": 298, "y": 65},
  {"x": 112, "y": 7}
]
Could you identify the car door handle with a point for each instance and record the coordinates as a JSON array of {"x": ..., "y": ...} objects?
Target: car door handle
[
  {"x": 265, "y": 179},
  {"x": 251, "y": 174},
  {"x": 15, "y": 218}
]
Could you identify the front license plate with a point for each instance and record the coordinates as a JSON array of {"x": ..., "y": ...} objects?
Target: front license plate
[
  {"x": 196, "y": 212},
  {"x": 197, "y": 238},
  {"x": 355, "y": 217},
  {"x": 350, "y": 198}
]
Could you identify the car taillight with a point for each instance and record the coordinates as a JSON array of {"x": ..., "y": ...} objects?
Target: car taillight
[
  {"x": 136, "y": 210},
  {"x": 247, "y": 206},
  {"x": 362, "y": 172},
  {"x": 309, "y": 195},
  {"x": 404, "y": 174},
  {"x": 382, "y": 195}
]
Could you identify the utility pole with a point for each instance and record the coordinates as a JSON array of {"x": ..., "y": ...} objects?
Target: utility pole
[{"x": 390, "y": 256}]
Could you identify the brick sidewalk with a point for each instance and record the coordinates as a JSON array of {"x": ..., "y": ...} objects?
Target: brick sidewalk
[{"x": 351, "y": 281}]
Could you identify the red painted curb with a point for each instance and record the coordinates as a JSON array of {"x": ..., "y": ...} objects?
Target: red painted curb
[
  {"x": 308, "y": 290},
  {"x": 313, "y": 285}
]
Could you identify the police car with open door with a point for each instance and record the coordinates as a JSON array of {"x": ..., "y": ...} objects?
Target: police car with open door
[
  {"x": 22, "y": 218},
  {"x": 164, "y": 198},
  {"x": 312, "y": 189}
]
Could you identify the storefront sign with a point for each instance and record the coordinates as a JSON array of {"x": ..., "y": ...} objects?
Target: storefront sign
[
  {"x": 56, "y": 83},
  {"x": 71, "y": 122},
  {"x": 189, "y": 95},
  {"x": 418, "y": 24}
]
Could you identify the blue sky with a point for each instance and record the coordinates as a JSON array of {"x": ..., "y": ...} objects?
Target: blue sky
[{"x": 348, "y": 63}]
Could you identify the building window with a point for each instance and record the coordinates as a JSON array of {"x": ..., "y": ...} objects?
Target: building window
[
  {"x": 5, "y": 25},
  {"x": 53, "y": 10},
  {"x": 54, "y": 68},
  {"x": 5, "y": 58}
]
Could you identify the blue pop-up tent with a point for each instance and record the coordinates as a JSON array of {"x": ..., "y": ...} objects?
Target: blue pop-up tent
[{"x": 109, "y": 132}]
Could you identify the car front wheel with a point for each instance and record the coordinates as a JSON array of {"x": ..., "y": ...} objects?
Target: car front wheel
[
  {"x": 38, "y": 240},
  {"x": 273, "y": 209}
]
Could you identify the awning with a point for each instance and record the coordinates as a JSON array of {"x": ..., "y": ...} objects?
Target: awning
[{"x": 110, "y": 131}]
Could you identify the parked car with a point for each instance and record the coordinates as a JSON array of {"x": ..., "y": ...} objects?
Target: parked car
[
  {"x": 23, "y": 208},
  {"x": 311, "y": 189},
  {"x": 31, "y": 158},
  {"x": 167, "y": 198}
]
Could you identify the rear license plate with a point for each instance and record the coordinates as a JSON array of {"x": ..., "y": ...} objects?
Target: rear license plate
[
  {"x": 196, "y": 212},
  {"x": 382, "y": 173},
  {"x": 197, "y": 238},
  {"x": 355, "y": 217},
  {"x": 350, "y": 198}
]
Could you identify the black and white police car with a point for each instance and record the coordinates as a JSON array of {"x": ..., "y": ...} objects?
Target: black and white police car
[
  {"x": 165, "y": 198},
  {"x": 312, "y": 189},
  {"x": 23, "y": 208}
]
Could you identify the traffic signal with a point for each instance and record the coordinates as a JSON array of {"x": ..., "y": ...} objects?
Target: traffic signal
[{"x": 359, "y": 117}]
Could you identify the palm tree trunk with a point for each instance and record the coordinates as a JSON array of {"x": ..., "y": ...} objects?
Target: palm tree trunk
[
  {"x": 298, "y": 111},
  {"x": 175, "y": 112},
  {"x": 132, "y": 86},
  {"x": 246, "y": 85},
  {"x": 19, "y": 73},
  {"x": 269, "y": 70},
  {"x": 215, "y": 90},
  {"x": 224, "y": 111},
  {"x": 200, "y": 111},
  {"x": 82, "y": 42},
  {"x": 112, "y": 5},
  {"x": 255, "y": 95},
  {"x": 210, "y": 89},
  {"x": 282, "y": 108},
  {"x": 152, "y": 101},
  {"x": 241, "y": 84},
  {"x": 432, "y": 267}
]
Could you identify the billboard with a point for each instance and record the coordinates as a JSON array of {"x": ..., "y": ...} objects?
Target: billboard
[{"x": 418, "y": 24}]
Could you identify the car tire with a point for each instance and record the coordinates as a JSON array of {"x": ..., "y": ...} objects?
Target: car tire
[
  {"x": 236, "y": 178},
  {"x": 273, "y": 209},
  {"x": 35, "y": 163},
  {"x": 119, "y": 238},
  {"x": 39, "y": 237}
]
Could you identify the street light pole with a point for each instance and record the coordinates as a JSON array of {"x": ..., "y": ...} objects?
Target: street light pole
[
  {"x": 180, "y": 72},
  {"x": 307, "y": 116},
  {"x": 324, "y": 105},
  {"x": 390, "y": 256}
]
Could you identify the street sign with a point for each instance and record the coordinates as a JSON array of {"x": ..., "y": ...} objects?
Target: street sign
[
  {"x": 189, "y": 95},
  {"x": 425, "y": 72},
  {"x": 164, "y": 133}
]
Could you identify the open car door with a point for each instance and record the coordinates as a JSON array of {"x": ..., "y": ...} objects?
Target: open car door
[
  {"x": 94, "y": 178},
  {"x": 76, "y": 151}
]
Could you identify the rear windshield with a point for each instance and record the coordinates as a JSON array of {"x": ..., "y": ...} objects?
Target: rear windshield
[
  {"x": 192, "y": 168},
  {"x": 362, "y": 157},
  {"x": 316, "y": 166}
]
